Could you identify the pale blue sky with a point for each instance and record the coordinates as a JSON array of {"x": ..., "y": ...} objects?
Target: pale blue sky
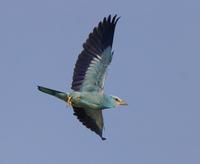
[{"x": 155, "y": 69}]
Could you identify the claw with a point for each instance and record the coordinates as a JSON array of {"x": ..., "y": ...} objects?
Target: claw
[{"x": 69, "y": 101}]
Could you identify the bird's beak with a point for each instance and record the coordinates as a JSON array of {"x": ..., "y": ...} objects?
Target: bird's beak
[{"x": 122, "y": 102}]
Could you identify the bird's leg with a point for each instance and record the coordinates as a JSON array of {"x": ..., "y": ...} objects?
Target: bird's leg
[{"x": 69, "y": 101}]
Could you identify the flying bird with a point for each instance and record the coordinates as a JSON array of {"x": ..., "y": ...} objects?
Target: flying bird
[{"x": 87, "y": 97}]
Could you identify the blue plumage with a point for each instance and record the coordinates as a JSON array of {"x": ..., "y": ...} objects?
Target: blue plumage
[{"x": 88, "y": 98}]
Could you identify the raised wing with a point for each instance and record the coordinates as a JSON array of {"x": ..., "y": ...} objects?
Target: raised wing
[
  {"x": 92, "y": 119},
  {"x": 92, "y": 63}
]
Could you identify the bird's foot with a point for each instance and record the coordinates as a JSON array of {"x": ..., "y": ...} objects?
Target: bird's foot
[{"x": 69, "y": 101}]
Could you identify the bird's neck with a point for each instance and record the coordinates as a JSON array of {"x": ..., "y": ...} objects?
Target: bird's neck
[{"x": 108, "y": 102}]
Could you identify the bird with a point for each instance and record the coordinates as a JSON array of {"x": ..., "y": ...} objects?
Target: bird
[{"x": 87, "y": 97}]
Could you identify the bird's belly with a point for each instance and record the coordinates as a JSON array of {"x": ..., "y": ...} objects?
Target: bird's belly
[{"x": 87, "y": 102}]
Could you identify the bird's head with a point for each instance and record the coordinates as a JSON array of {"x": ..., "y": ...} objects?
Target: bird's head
[{"x": 117, "y": 101}]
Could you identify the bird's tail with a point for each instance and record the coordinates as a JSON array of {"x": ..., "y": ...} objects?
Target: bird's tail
[{"x": 61, "y": 95}]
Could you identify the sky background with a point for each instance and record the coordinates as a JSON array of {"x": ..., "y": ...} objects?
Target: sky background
[{"x": 156, "y": 69}]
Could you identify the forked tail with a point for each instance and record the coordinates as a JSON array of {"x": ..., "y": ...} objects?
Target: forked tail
[{"x": 61, "y": 95}]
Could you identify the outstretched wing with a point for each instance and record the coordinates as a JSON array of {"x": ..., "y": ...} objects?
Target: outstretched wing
[
  {"x": 92, "y": 119},
  {"x": 90, "y": 68}
]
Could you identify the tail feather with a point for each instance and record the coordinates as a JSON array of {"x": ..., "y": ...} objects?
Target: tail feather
[{"x": 58, "y": 94}]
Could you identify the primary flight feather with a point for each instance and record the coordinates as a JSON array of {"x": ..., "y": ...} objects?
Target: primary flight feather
[{"x": 88, "y": 98}]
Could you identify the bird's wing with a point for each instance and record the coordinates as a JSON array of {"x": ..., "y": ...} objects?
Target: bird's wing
[
  {"x": 90, "y": 68},
  {"x": 92, "y": 119}
]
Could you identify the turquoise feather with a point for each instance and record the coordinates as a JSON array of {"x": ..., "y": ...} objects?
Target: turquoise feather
[{"x": 88, "y": 98}]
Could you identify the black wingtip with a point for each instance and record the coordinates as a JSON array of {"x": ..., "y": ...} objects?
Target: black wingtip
[
  {"x": 117, "y": 19},
  {"x": 113, "y": 19},
  {"x": 103, "y": 139}
]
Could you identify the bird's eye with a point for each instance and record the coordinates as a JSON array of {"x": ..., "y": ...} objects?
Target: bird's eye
[{"x": 116, "y": 99}]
